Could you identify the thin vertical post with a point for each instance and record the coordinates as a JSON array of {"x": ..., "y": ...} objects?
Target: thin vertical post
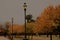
[{"x": 12, "y": 28}]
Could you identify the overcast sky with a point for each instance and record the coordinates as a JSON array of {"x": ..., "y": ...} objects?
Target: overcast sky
[{"x": 14, "y": 8}]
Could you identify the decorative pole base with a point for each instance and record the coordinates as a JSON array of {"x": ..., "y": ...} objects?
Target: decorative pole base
[{"x": 25, "y": 39}]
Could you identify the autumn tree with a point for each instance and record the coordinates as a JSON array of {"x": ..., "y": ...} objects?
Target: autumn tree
[
  {"x": 46, "y": 23},
  {"x": 29, "y": 27},
  {"x": 57, "y": 20},
  {"x": 7, "y": 25}
]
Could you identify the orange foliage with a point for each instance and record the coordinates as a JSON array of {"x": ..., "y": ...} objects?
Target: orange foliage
[
  {"x": 45, "y": 22},
  {"x": 16, "y": 28}
]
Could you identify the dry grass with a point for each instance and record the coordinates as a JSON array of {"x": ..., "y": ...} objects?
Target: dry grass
[{"x": 33, "y": 38}]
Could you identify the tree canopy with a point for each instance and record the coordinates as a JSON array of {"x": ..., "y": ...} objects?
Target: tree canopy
[{"x": 48, "y": 20}]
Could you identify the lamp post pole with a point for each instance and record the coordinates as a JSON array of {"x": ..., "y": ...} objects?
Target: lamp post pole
[
  {"x": 25, "y": 6},
  {"x": 12, "y": 28}
]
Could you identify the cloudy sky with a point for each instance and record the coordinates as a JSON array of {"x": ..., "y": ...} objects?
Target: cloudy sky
[{"x": 14, "y": 8}]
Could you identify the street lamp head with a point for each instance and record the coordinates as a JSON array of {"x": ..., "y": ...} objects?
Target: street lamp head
[{"x": 25, "y": 6}]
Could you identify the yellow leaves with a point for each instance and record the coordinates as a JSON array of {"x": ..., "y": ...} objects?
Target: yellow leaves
[
  {"x": 30, "y": 24},
  {"x": 30, "y": 27}
]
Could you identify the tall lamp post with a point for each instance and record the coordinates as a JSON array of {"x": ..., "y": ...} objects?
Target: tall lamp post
[{"x": 25, "y": 6}]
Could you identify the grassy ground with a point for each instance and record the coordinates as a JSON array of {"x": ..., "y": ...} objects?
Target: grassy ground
[{"x": 42, "y": 37}]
